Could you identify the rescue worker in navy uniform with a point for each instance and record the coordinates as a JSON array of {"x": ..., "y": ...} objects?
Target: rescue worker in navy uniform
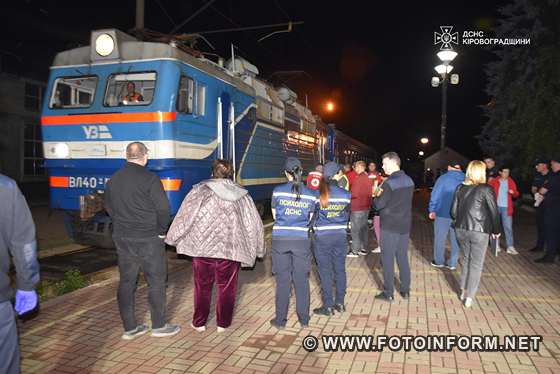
[
  {"x": 394, "y": 203},
  {"x": 292, "y": 209},
  {"x": 551, "y": 195},
  {"x": 17, "y": 239},
  {"x": 331, "y": 217}
]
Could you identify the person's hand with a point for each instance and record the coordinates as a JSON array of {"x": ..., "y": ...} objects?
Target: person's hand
[
  {"x": 379, "y": 192},
  {"x": 543, "y": 190},
  {"x": 512, "y": 192},
  {"x": 496, "y": 236},
  {"x": 25, "y": 301},
  {"x": 432, "y": 215}
]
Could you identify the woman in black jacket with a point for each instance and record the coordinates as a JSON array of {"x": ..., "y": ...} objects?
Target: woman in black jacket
[{"x": 475, "y": 215}]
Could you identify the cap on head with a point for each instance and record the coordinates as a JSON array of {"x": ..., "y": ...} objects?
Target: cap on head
[
  {"x": 541, "y": 160},
  {"x": 455, "y": 164},
  {"x": 330, "y": 169},
  {"x": 292, "y": 163}
]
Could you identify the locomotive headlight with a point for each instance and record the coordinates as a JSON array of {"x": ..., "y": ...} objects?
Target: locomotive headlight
[
  {"x": 104, "y": 45},
  {"x": 60, "y": 150}
]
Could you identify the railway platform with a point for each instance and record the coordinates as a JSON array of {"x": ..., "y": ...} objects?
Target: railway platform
[{"x": 80, "y": 332}]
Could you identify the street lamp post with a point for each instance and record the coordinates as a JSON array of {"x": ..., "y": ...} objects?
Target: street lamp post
[{"x": 446, "y": 56}]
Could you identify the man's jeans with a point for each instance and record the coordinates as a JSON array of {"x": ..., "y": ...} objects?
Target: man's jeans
[
  {"x": 148, "y": 255},
  {"x": 507, "y": 224},
  {"x": 442, "y": 227},
  {"x": 359, "y": 228}
]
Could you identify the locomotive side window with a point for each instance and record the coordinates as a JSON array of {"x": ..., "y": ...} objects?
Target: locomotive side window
[
  {"x": 130, "y": 89},
  {"x": 185, "y": 98},
  {"x": 73, "y": 92},
  {"x": 200, "y": 99}
]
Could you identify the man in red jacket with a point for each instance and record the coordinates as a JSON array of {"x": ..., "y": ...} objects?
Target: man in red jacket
[
  {"x": 506, "y": 190},
  {"x": 361, "y": 189}
]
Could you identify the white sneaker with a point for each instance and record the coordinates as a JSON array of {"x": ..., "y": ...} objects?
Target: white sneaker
[
  {"x": 462, "y": 297},
  {"x": 221, "y": 329},
  {"x": 376, "y": 250},
  {"x": 512, "y": 251},
  {"x": 468, "y": 302},
  {"x": 198, "y": 329}
]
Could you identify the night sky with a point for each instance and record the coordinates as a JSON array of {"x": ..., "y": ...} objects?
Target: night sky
[{"x": 373, "y": 59}]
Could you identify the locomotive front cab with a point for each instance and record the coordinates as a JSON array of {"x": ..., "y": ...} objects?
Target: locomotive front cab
[{"x": 98, "y": 102}]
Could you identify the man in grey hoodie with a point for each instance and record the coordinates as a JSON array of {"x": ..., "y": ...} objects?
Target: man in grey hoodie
[{"x": 17, "y": 239}]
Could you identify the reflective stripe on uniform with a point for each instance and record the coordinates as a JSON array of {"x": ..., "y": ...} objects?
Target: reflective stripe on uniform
[
  {"x": 334, "y": 227},
  {"x": 290, "y": 228},
  {"x": 339, "y": 200},
  {"x": 293, "y": 195}
]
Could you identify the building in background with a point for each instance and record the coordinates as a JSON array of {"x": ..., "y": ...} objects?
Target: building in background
[
  {"x": 21, "y": 147},
  {"x": 436, "y": 163}
]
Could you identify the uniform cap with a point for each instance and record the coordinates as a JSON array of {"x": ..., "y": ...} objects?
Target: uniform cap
[
  {"x": 330, "y": 169},
  {"x": 292, "y": 163}
]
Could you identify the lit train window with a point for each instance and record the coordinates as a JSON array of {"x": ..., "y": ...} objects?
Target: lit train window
[
  {"x": 129, "y": 89},
  {"x": 73, "y": 92}
]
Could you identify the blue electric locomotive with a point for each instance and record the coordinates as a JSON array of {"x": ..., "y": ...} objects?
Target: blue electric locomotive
[{"x": 187, "y": 109}]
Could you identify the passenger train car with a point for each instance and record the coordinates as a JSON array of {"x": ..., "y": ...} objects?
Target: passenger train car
[{"x": 187, "y": 109}]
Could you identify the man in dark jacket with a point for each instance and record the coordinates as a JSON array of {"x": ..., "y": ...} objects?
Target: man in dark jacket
[
  {"x": 138, "y": 206},
  {"x": 439, "y": 211},
  {"x": 394, "y": 203},
  {"x": 17, "y": 239},
  {"x": 551, "y": 193}
]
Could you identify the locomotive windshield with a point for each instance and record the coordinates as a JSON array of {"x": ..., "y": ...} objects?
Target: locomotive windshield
[
  {"x": 73, "y": 92},
  {"x": 130, "y": 89}
]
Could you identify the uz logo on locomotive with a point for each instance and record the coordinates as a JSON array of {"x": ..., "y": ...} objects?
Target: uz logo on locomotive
[{"x": 97, "y": 132}]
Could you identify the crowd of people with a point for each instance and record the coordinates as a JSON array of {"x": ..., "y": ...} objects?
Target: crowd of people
[{"x": 219, "y": 227}]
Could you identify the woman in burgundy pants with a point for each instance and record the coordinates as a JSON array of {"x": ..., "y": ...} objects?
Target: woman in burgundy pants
[{"x": 219, "y": 226}]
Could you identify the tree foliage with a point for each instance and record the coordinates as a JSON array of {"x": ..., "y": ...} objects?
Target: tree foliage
[{"x": 524, "y": 86}]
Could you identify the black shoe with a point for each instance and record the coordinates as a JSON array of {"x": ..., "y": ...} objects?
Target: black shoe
[
  {"x": 340, "y": 308},
  {"x": 276, "y": 324},
  {"x": 324, "y": 311},
  {"x": 362, "y": 252},
  {"x": 382, "y": 296},
  {"x": 536, "y": 249},
  {"x": 436, "y": 265},
  {"x": 449, "y": 267},
  {"x": 405, "y": 295},
  {"x": 544, "y": 260}
]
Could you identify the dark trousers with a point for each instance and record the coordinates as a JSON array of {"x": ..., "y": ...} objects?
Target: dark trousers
[
  {"x": 330, "y": 254},
  {"x": 359, "y": 229},
  {"x": 291, "y": 263},
  {"x": 9, "y": 348},
  {"x": 541, "y": 228},
  {"x": 208, "y": 271},
  {"x": 552, "y": 226},
  {"x": 395, "y": 246},
  {"x": 474, "y": 245},
  {"x": 148, "y": 255}
]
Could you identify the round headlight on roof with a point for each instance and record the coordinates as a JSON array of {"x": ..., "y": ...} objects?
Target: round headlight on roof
[{"x": 104, "y": 45}]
